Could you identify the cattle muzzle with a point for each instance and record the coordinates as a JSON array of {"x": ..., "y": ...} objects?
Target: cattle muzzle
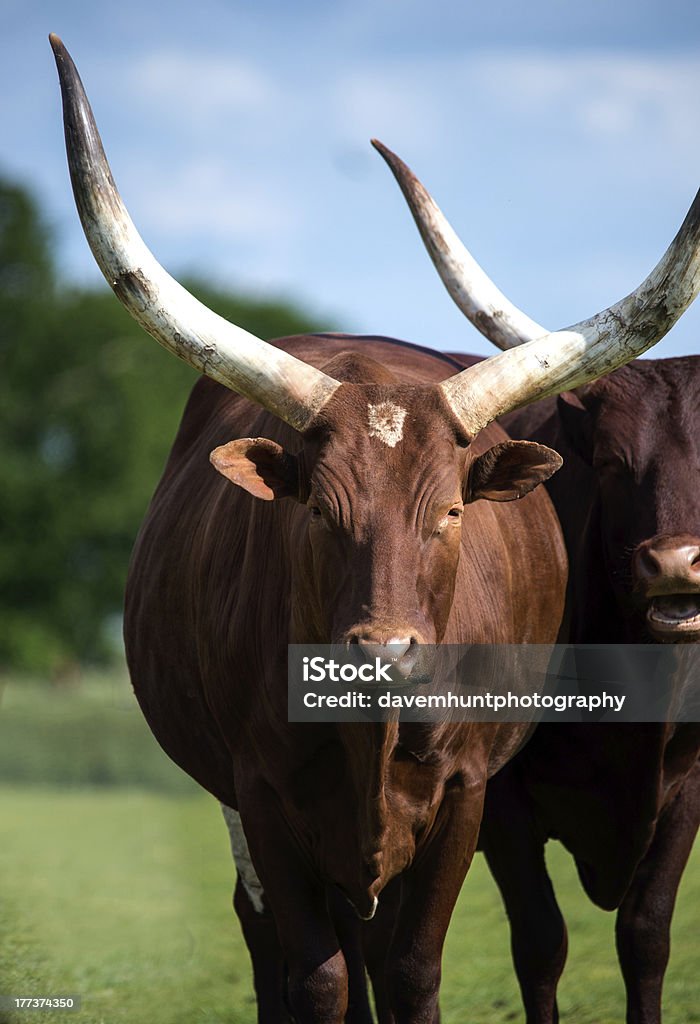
[
  {"x": 666, "y": 574},
  {"x": 396, "y": 647}
]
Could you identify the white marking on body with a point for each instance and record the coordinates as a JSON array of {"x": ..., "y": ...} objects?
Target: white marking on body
[
  {"x": 241, "y": 855},
  {"x": 386, "y": 422}
]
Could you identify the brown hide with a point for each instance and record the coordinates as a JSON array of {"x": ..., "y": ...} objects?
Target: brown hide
[
  {"x": 220, "y": 583},
  {"x": 631, "y": 476},
  {"x": 624, "y": 799}
]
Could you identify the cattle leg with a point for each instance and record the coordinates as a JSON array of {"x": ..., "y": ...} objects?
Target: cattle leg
[
  {"x": 259, "y": 929},
  {"x": 515, "y": 854},
  {"x": 644, "y": 918},
  {"x": 260, "y": 933},
  {"x": 269, "y": 968},
  {"x": 317, "y": 977},
  {"x": 348, "y": 927},
  {"x": 430, "y": 890},
  {"x": 376, "y": 940}
]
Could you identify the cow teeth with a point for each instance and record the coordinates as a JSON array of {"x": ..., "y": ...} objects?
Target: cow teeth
[{"x": 679, "y": 611}]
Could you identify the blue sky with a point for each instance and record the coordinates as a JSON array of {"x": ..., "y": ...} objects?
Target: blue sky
[{"x": 562, "y": 140}]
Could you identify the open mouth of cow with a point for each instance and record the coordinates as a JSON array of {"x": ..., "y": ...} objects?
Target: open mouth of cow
[{"x": 675, "y": 616}]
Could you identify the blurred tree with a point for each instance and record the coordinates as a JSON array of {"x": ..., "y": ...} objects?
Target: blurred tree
[{"x": 89, "y": 406}]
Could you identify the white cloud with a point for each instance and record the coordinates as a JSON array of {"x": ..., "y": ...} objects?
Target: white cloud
[
  {"x": 589, "y": 105},
  {"x": 204, "y": 196},
  {"x": 198, "y": 86},
  {"x": 388, "y": 102},
  {"x": 650, "y": 97}
]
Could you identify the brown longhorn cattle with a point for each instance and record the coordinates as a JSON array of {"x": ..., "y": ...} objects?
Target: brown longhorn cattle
[
  {"x": 366, "y": 546},
  {"x": 368, "y": 507},
  {"x": 623, "y": 798}
]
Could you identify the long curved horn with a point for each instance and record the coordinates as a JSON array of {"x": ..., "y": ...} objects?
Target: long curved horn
[
  {"x": 470, "y": 287},
  {"x": 539, "y": 363},
  {"x": 285, "y": 386}
]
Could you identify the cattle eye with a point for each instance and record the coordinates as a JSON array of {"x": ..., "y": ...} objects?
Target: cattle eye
[
  {"x": 612, "y": 464},
  {"x": 320, "y": 517},
  {"x": 452, "y": 517}
]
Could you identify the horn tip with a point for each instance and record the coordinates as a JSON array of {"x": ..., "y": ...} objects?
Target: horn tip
[
  {"x": 399, "y": 169},
  {"x": 56, "y": 43},
  {"x": 383, "y": 150}
]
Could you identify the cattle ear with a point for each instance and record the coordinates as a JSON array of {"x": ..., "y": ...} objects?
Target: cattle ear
[
  {"x": 259, "y": 466},
  {"x": 577, "y": 425},
  {"x": 510, "y": 470}
]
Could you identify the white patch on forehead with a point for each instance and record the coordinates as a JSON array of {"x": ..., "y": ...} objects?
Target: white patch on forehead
[
  {"x": 241, "y": 855},
  {"x": 386, "y": 422}
]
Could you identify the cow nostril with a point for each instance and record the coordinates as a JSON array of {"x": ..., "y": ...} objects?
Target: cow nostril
[{"x": 647, "y": 564}]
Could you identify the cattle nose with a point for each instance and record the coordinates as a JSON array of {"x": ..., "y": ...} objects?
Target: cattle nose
[
  {"x": 391, "y": 650},
  {"x": 396, "y": 649},
  {"x": 668, "y": 565}
]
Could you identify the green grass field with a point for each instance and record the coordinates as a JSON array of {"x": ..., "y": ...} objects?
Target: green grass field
[{"x": 121, "y": 893}]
